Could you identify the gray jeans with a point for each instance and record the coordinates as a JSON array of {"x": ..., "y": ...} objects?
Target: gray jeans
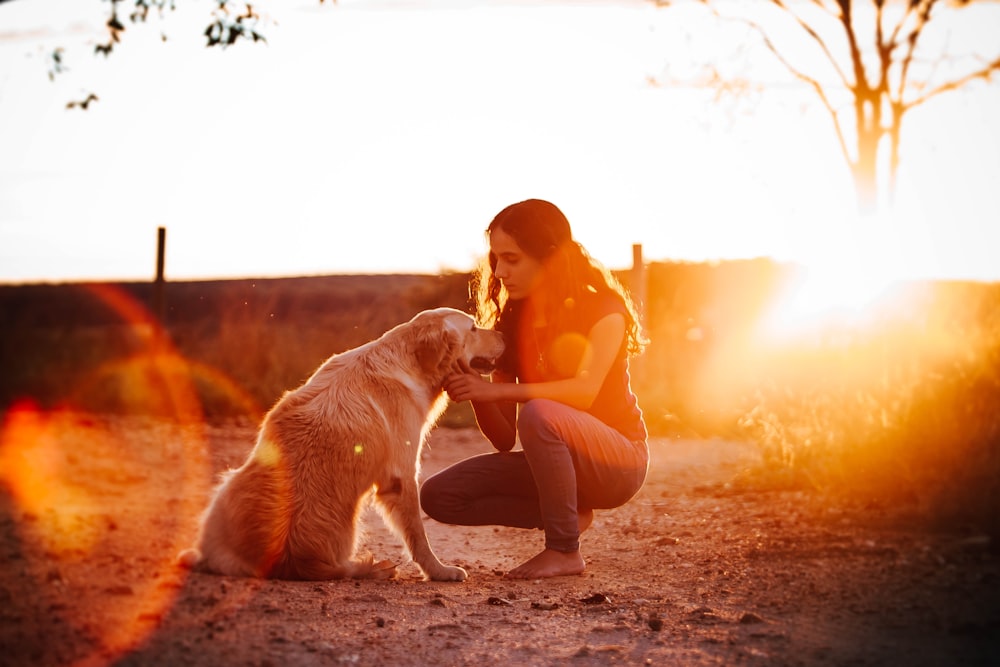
[{"x": 569, "y": 461}]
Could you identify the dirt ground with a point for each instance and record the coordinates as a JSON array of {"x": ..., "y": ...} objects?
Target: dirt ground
[{"x": 701, "y": 568}]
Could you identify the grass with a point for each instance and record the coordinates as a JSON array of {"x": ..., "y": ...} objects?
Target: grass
[
  {"x": 903, "y": 412},
  {"x": 901, "y": 409}
]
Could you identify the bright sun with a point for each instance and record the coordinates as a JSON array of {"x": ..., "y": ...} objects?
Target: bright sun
[
  {"x": 851, "y": 282},
  {"x": 824, "y": 295}
]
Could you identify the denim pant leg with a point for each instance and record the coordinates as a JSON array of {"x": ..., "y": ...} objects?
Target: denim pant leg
[
  {"x": 576, "y": 461},
  {"x": 487, "y": 490}
]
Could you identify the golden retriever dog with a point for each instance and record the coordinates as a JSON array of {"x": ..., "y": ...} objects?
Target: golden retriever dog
[{"x": 353, "y": 431}]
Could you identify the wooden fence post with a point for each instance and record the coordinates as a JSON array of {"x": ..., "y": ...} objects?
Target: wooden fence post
[
  {"x": 637, "y": 286},
  {"x": 159, "y": 304},
  {"x": 638, "y": 282}
]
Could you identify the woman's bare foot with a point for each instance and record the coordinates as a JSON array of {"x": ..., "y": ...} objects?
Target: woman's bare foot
[{"x": 549, "y": 563}]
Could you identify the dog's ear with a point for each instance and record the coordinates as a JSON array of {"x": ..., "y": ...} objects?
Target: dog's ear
[{"x": 436, "y": 347}]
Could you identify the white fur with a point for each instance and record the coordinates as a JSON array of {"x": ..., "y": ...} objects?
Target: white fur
[{"x": 355, "y": 427}]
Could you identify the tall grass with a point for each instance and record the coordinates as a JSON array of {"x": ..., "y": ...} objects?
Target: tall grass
[
  {"x": 239, "y": 344},
  {"x": 901, "y": 408}
]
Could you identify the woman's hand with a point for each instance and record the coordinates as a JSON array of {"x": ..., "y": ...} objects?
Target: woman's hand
[{"x": 465, "y": 384}]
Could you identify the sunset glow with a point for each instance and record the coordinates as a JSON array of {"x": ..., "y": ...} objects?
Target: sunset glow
[
  {"x": 390, "y": 143},
  {"x": 826, "y": 295},
  {"x": 809, "y": 378}
]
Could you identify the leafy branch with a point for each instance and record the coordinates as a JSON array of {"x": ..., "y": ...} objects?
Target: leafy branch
[
  {"x": 227, "y": 29},
  {"x": 231, "y": 22}
]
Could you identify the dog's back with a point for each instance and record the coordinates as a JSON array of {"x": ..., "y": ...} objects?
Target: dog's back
[
  {"x": 273, "y": 516},
  {"x": 357, "y": 425}
]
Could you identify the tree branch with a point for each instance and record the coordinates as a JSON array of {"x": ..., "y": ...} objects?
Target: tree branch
[
  {"x": 986, "y": 73},
  {"x": 794, "y": 71},
  {"x": 820, "y": 42},
  {"x": 922, "y": 10},
  {"x": 860, "y": 86}
]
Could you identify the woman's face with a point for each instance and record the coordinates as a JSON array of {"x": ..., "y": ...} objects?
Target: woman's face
[{"x": 519, "y": 272}]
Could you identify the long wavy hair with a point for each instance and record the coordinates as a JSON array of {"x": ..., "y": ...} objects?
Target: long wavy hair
[{"x": 542, "y": 231}]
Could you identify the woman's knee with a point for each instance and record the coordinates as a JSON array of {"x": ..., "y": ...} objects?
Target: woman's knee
[
  {"x": 432, "y": 497},
  {"x": 537, "y": 417}
]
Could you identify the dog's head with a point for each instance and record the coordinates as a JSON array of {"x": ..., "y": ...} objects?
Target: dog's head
[{"x": 445, "y": 335}]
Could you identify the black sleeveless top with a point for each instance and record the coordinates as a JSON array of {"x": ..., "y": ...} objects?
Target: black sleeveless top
[{"x": 554, "y": 353}]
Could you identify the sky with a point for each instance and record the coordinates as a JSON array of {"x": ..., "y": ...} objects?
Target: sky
[{"x": 382, "y": 137}]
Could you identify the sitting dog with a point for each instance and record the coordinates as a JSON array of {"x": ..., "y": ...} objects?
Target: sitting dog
[{"x": 354, "y": 428}]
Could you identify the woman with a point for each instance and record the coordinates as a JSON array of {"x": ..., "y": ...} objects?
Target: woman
[{"x": 569, "y": 329}]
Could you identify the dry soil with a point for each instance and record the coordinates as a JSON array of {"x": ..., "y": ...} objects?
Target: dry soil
[{"x": 703, "y": 567}]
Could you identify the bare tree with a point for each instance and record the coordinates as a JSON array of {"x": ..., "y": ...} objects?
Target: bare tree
[{"x": 871, "y": 62}]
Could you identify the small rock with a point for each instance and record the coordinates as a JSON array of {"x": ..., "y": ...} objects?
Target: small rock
[
  {"x": 750, "y": 618},
  {"x": 545, "y": 606},
  {"x": 610, "y": 648},
  {"x": 705, "y": 614}
]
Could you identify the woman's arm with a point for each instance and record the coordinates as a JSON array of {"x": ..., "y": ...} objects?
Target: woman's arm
[
  {"x": 603, "y": 343},
  {"x": 498, "y": 419}
]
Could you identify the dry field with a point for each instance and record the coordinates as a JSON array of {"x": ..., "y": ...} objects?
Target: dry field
[
  {"x": 710, "y": 564},
  {"x": 825, "y": 499}
]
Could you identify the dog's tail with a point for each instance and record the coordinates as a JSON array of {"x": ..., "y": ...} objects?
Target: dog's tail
[
  {"x": 384, "y": 569},
  {"x": 368, "y": 568},
  {"x": 318, "y": 570},
  {"x": 189, "y": 558},
  {"x": 365, "y": 568}
]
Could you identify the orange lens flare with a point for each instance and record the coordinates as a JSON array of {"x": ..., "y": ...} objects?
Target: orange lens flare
[
  {"x": 97, "y": 494},
  {"x": 32, "y": 466},
  {"x": 819, "y": 298},
  {"x": 103, "y": 504}
]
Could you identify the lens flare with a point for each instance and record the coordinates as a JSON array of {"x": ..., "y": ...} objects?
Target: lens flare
[
  {"x": 103, "y": 503},
  {"x": 88, "y": 498},
  {"x": 818, "y": 298},
  {"x": 32, "y": 467}
]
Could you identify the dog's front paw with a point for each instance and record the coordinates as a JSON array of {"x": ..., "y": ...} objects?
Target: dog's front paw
[{"x": 448, "y": 573}]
